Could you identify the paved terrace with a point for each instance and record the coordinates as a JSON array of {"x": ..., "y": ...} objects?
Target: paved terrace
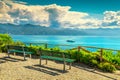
[{"x": 15, "y": 68}]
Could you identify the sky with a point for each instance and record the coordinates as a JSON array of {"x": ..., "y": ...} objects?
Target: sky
[
  {"x": 83, "y": 14},
  {"x": 89, "y": 6}
]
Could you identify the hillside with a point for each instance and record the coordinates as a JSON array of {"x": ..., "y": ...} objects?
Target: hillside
[
  {"x": 29, "y": 29},
  {"x": 37, "y": 30}
]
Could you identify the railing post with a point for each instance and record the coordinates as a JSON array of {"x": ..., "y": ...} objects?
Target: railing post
[
  {"x": 30, "y": 44},
  {"x": 78, "y": 54},
  {"x": 45, "y": 45},
  {"x": 78, "y": 48},
  {"x": 101, "y": 53}
]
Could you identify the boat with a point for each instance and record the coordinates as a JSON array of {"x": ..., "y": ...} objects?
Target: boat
[{"x": 70, "y": 41}]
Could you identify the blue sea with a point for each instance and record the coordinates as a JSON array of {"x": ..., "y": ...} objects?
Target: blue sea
[{"x": 111, "y": 42}]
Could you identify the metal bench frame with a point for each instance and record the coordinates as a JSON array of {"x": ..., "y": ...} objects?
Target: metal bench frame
[
  {"x": 51, "y": 57},
  {"x": 18, "y": 49}
]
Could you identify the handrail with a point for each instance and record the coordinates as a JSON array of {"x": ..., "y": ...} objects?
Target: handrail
[
  {"x": 99, "y": 48},
  {"x": 47, "y": 44},
  {"x": 72, "y": 45},
  {"x": 83, "y": 48}
]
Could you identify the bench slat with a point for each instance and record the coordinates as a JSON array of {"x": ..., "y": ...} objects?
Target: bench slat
[
  {"x": 57, "y": 58},
  {"x": 18, "y": 49},
  {"x": 26, "y": 52}
]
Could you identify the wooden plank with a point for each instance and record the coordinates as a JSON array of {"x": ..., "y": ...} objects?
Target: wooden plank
[
  {"x": 85, "y": 50},
  {"x": 101, "y": 54},
  {"x": 99, "y": 48}
]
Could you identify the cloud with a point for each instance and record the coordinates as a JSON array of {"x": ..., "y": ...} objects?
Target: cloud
[
  {"x": 111, "y": 18},
  {"x": 3, "y": 7},
  {"x": 53, "y": 16},
  {"x": 4, "y": 17},
  {"x": 79, "y": 20}
]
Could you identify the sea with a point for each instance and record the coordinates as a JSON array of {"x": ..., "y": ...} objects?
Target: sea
[{"x": 110, "y": 42}]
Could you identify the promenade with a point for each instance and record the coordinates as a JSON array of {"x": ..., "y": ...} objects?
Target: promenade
[{"x": 15, "y": 68}]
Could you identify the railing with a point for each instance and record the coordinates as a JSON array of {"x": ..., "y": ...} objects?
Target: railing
[
  {"x": 100, "y": 50},
  {"x": 75, "y": 47},
  {"x": 46, "y": 45}
]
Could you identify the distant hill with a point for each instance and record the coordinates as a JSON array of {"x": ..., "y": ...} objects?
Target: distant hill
[{"x": 29, "y": 29}]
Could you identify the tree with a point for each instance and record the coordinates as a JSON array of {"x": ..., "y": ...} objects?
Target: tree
[{"x": 4, "y": 39}]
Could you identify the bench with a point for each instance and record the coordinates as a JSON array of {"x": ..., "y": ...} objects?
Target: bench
[
  {"x": 18, "y": 49},
  {"x": 56, "y": 56}
]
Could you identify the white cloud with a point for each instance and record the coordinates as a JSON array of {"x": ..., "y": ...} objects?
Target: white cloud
[
  {"x": 111, "y": 18},
  {"x": 78, "y": 20},
  {"x": 3, "y": 7},
  {"x": 54, "y": 16},
  {"x": 4, "y": 17}
]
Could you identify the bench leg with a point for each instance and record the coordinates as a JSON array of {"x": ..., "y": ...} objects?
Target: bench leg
[
  {"x": 40, "y": 61},
  {"x": 24, "y": 56},
  {"x": 70, "y": 65},
  {"x": 30, "y": 56},
  {"x": 8, "y": 54},
  {"x": 46, "y": 61},
  {"x": 64, "y": 66},
  {"x": 14, "y": 53}
]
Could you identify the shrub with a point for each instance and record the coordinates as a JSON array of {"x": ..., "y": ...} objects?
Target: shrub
[
  {"x": 94, "y": 62},
  {"x": 87, "y": 57},
  {"x": 17, "y": 43},
  {"x": 112, "y": 57},
  {"x": 34, "y": 49},
  {"x": 73, "y": 54},
  {"x": 4, "y": 39},
  {"x": 56, "y": 49},
  {"x": 107, "y": 67}
]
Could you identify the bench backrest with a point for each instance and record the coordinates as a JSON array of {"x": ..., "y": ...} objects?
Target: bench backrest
[
  {"x": 14, "y": 47},
  {"x": 55, "y": 54},
  {"x": 25, "y": 48}
]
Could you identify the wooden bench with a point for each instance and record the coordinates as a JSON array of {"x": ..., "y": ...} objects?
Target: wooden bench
[
  {"x": 56, "y": 56},
  {"x": 18, "y": 49}
]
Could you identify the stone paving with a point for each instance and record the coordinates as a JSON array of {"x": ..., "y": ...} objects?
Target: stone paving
[{"x": 15, "y": 68}]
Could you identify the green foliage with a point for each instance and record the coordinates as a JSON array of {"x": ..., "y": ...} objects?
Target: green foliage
[
  {"x": 112, "y": 57},
  {"x": 4, "y": 39},
  {"x": 56, "y": 49},
  {"x": 94, "y": 62},
  {"x": 17, "y": 43},
  {"x": 35, "y": 49},
  {"x": 107, "y": 67},
  {"x": 108, "y": 55},
  {"x": 74, "y": 54},
  {"x": 91, "y": 58}
]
